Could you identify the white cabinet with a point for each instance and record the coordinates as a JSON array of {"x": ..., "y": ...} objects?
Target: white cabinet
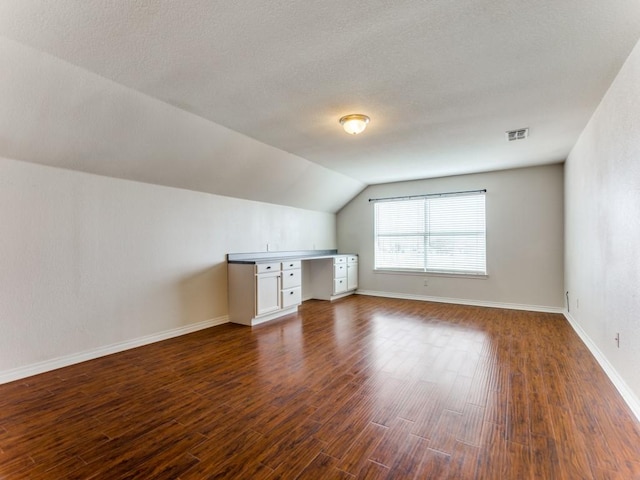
[
  {"x": 339, "y": 275},
  {"x": 263, "y": 290},
  {"x": 352, "y": 272},
  {"x": 330, "y": 277},
  {"x": 291, "y": 294}
]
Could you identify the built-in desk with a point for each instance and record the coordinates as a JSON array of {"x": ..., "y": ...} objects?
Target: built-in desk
[{"x": 267, "y": 285}]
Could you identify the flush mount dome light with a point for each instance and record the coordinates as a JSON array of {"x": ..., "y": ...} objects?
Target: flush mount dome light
[{"x": 355, "y": 123}]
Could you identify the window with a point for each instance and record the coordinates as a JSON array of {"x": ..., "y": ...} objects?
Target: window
[{"x": 435, "y": 233}]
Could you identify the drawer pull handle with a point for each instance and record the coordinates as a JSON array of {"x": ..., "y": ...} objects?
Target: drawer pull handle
[
  {"x": 269, "y": 267},
  {"x": 291, "y": 274},
  {"x": 290, "y": 293}
]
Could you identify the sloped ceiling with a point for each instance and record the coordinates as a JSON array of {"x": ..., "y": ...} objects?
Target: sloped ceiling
[{"x": 242, "y": 98}]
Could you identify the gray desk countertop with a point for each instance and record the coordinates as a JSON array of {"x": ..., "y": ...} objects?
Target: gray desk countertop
[{"x": 262, "y": 257}]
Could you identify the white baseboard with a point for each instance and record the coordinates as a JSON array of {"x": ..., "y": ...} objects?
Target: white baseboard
[
  {"x": 462, "y": 301},
  {"x": 627, "y": 394},
  {"x": 48, "y": 365}
]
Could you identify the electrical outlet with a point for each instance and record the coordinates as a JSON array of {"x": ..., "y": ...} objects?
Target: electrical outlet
[
  {"x": 267, "y": 247},
  {"x": 426, "y": 282},
  {"x": 617, "y": 339},
  {"x": 578, "y": 303}
]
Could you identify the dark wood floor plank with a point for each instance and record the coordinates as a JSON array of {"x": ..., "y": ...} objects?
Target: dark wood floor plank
[
  {"x": 491, "y": 460},
  {"x": 363, "y": 387},
  {"x": 324, "y": 467},
  {"x": 627, "y": 445},
  {"x": 216, "y": 455},
  {"x": 435, "y": 464},
  {"x": 539, "y": 416},
  {"x": 298, "y": 459},
  {"x": 518, "y": 462},
  {"x": 457, "y": 398},
  {"x": 361, "y": 448},
  {"x": 46, "y": 440},
  {"x": 333, "y": 403},
  {"x": 15, "y": 467},
  {"x": 518, "y": 423},
  {"x": 373, "y": 471},
  {"x": 173, "y": 463},
  {"x": 392, "y": 394},
  {"x": 447, "y": 432},
  {"x": 116, "y": 462},
  {"x": 470, "y": 431},
  {"x": 341, "y": 430},
  {"x": 279, "y": 450},
  {"x": 498, "y": 394},
  {"x": 408, "y": 463},
  {"x": 544, "y": 458},
  {"x": 59, "y": 469},
  {"x": 415, "y": 400},
  {"x": 569, "y": 444},
  {"x": 391, "y": 444},
  {"x": 463, "y": 462}
]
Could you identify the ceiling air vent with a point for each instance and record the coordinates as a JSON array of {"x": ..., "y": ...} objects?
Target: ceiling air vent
[{"x": 519, "y": 134}]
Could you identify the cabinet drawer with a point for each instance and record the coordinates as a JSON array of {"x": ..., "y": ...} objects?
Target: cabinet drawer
[
  {"x": 267, "y": 267},
  {"x": 339, "y": 271},
  {"x": 339, "y": 260},
  {"x": 291, "y": 296},
  {"x": 352, "y": 259},
  {"x": 290, "y": 265},
  {"x": 291, "y": 278},
  {"x": 340, "y": 285}
]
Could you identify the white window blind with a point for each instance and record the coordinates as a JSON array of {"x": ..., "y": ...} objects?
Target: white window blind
[{"x": 444, "y": 234}]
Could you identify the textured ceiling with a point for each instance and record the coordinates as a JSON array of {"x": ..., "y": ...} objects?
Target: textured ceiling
[{"x": 442, "y": 81}]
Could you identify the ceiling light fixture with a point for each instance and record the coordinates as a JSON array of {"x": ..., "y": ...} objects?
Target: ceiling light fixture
[{"x": 355, "y": 123}]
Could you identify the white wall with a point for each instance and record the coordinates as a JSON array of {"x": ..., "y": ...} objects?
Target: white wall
[
  {"x": 57, "y": 114},
  {"x": 524, "y": 239},
  {"x": 602, "y": 271},
  {"x": 87, "y": 261}
]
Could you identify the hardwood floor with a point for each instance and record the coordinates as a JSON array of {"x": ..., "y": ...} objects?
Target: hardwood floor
[{"x": 365, "y": 388}]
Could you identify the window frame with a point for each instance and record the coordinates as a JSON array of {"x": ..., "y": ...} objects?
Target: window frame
[{"x": 428, "y": 234}]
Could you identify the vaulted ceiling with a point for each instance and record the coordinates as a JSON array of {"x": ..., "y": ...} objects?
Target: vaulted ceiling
[{"x": 243, "y": 98}]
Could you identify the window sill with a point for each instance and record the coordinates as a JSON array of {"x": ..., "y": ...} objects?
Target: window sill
[{"x": 475, "y": 276}]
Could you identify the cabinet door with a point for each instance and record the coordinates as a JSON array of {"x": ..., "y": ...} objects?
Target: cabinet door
[
  {"x": 352, "y": 276},
  {"x": 267, "y": 293}
]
